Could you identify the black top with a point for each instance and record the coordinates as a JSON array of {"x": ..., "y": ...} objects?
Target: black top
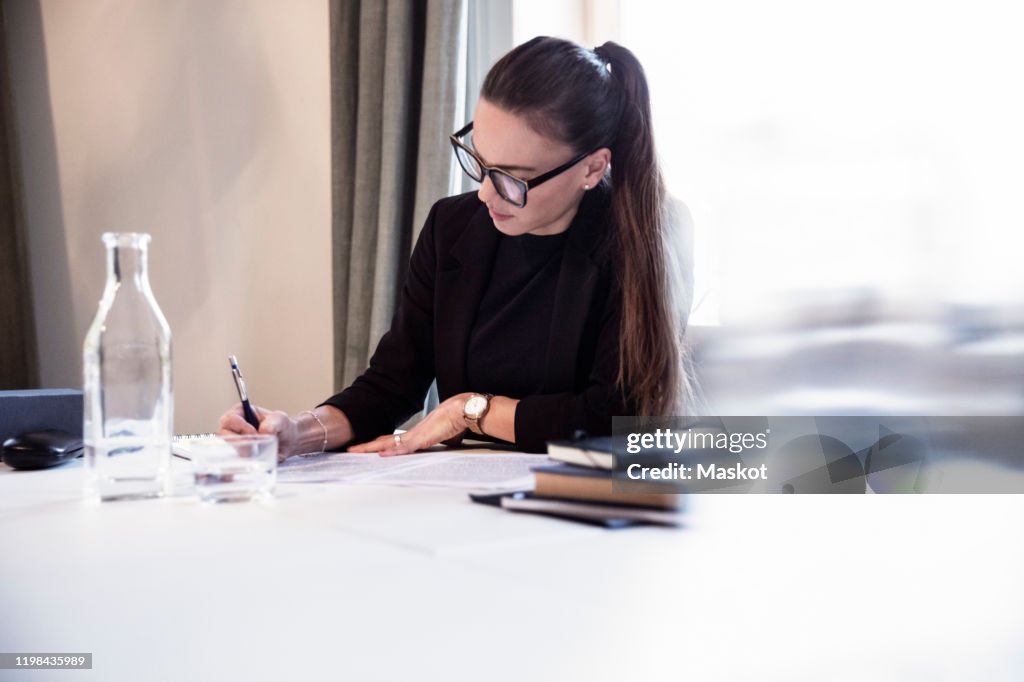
[
  {"x": 509, "y": 341},
  {"x": 444, "y": 328}
]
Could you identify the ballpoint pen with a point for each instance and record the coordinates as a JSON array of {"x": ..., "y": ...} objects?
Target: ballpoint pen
[{"x": 243, "y": 395}]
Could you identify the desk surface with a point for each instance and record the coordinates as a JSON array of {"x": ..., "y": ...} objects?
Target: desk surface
[{"x": 365, "y": 583}]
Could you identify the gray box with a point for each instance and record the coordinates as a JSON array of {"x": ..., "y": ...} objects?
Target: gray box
[
  {"x": 33, "y": 661},
  {"x": 38, "y": 410}
]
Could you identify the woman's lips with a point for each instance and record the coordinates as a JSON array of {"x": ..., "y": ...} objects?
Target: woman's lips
[{"x": 498, "y": 216}]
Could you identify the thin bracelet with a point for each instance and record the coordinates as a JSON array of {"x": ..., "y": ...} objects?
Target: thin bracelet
[{"x": 311, "y": 413}]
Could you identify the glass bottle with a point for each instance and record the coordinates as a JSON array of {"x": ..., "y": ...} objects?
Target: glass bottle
[{"x": 129, "y": 404}]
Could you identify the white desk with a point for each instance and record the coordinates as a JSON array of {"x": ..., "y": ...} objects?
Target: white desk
[{"x": 367, "y": 583}]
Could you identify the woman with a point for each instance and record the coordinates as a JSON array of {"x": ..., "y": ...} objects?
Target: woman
[{"x": 543, "y": 304}]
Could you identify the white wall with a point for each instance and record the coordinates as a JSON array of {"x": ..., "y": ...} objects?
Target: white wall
[{"x": 205, "y": 123}]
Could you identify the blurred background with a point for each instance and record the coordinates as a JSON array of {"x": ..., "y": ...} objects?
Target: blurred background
[{"x": 852, "y": 173}]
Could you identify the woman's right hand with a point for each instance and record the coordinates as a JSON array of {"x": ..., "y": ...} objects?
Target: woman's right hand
[{"x": 272, "y": 422}]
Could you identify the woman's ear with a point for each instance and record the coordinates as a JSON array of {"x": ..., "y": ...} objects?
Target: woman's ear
[{"x": 596, "y": 165}]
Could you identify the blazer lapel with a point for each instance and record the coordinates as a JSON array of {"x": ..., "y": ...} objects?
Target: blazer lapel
[
  {"x": 575, "y": 290},
  {"x": 462, "y": 281}
]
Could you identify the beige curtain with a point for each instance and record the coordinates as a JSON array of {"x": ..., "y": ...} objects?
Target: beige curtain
[
  {"x": 18, "y": 363},
  {"x": 394, "y": 78}
]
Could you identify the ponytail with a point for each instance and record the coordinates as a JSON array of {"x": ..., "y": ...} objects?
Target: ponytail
[{"x": 650, "y": 350}]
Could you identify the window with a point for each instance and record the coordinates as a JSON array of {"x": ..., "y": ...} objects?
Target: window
[{"x": 874, "y": 147}]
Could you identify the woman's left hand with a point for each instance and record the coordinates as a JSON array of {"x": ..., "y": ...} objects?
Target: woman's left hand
[{"x": 444, "y": 423}]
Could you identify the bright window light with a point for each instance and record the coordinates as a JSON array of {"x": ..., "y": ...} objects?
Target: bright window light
[{"x": 874, "y": 147}]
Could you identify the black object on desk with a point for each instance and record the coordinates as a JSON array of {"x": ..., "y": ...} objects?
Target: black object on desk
[
  {"x": 41, "y": 449},
  {"x": 40, "y": 410},
  {"x": 609, "y": 516}
]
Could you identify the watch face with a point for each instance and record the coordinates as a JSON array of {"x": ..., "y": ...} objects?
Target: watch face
[{"x": 475, "y": 405}]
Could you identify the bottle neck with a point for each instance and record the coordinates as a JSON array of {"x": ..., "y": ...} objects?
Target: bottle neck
[{"x": 127, "y": 260}]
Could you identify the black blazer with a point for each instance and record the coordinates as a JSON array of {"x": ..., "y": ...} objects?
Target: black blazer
[{"x": 448, "y": 275}]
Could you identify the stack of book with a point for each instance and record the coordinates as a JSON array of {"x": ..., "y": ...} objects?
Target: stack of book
[{"x": 580, "y": 486}]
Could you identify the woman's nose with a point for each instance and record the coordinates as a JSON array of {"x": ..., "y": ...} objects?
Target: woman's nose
[{"x": 487, "y": 192}]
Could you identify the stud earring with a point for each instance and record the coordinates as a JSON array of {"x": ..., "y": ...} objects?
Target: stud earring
[{"x": 586, "y": 187}]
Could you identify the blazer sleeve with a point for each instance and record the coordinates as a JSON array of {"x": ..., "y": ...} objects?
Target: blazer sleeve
[
  {"x": 394, "y": 386},
  {"x": 553, "y": 416}
]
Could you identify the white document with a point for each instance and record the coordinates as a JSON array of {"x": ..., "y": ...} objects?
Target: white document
[{"x": 466, "y": 469}]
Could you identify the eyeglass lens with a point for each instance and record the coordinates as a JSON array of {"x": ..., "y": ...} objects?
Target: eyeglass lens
[{"x": 510, "y": 189}]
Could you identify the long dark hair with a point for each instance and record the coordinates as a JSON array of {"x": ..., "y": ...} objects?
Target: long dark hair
[{"x": 590, "y": 99}]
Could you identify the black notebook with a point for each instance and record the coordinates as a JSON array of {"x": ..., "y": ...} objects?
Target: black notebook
[{"x": 593, "y": 513}]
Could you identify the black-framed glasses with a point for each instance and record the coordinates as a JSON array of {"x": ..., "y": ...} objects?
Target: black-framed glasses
[{"x": 509, "y": 187}]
